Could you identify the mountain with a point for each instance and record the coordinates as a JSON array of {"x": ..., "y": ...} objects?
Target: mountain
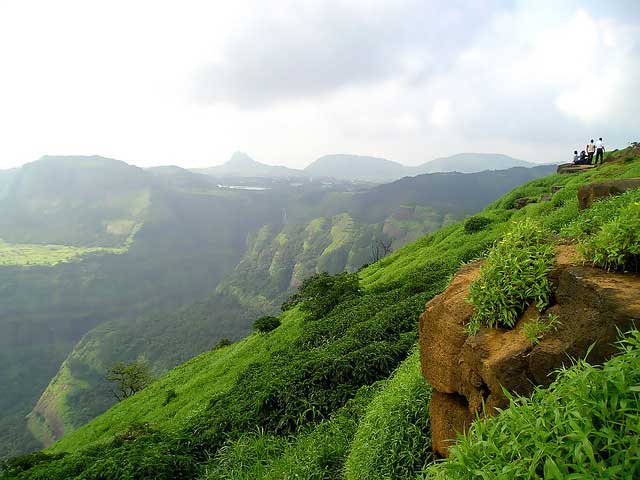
[
  {"x": 379, "y": 170},
  {"x": 356, "y": 167},
  {"x": 472, "y": 162},
  {"x": 232, "y": 254},
  {"x": 336, "y": 390},
  {"x": 242, "y": 165}
]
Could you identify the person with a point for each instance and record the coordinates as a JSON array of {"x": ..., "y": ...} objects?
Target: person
[
  {"x": 591, "y": 149},
  {"x": 583, "y": 158},
  {"x": 576, "y": 158},
  {"x": 600, "y": 151}
]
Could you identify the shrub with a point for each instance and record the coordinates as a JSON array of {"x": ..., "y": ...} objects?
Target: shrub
[
  {"x": 476, "y": 223},
  {"x": 169, "y": 396},
  {"x": 320, "y": 293},
  {"x": 617, "y": 245},
  {"x": 538, "y": 327},
  {"x": 223, "y": 342},
  {"x": 513, "y": 276},
  {"x": 266, "y": 324}
]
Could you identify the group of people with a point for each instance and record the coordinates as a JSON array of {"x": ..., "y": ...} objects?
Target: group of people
[{"x": 586, "y": 156}]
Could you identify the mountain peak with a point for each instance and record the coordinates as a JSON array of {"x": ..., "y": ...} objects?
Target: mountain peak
[{"x": 241, "y": 159}]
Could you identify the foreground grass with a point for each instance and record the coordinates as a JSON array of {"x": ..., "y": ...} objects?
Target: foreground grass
[{"x": 586, "y": 425}]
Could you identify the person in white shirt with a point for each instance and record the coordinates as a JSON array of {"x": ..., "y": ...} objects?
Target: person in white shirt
[{"x": 599, "y": 151}]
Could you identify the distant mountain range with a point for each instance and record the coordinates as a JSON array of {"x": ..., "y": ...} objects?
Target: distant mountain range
[{"x": 365, "y": 168}]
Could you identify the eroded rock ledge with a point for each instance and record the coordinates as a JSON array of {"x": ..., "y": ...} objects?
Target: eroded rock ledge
[{"x": 469, "y": 372}]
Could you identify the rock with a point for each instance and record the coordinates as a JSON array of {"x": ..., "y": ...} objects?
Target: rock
[
  {"x": 587, "y": 194},
  {"x": 572, "y": 168},
  {"x": 441, "y": 340},
  {"x": 447, "y": 412},
  {"x": 556, "y": 188},
  {"x": 545, "y": 197},
  {"x": 591, "y": 305},
  {"x": 519, "y": 203}
]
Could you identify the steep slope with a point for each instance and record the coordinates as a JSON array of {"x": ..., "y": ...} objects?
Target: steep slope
[
  {"x": 278, "y": 258},
  {"x": 242, "y": 165},
  {"x": 299, "y": 382},
  {"x": 164, "y": 255}
]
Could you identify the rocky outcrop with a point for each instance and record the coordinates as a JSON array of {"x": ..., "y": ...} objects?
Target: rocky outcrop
[
  {"x": 573, "y": 168},
  {"x": 589, "y": 193},
  {"x": 470, "y": 372}
]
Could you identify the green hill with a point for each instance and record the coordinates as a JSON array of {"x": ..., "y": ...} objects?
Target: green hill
[
  {"x": 317, "y": 397},
  {"x": 276, "y": 260}
]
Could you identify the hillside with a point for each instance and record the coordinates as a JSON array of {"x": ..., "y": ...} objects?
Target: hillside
[
  {"x": 276, "y": 260},
  {"x": 317, "y": 397}
]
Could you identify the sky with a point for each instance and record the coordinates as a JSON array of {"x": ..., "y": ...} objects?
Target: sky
[{"x": 188, "y": 83}]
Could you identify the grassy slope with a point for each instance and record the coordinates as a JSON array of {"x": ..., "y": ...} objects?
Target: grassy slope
[{"x": 422, "y": 266}]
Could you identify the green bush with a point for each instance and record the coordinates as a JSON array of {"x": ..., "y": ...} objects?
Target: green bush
[
  {"x": 617, "y": 245},
  {"x": 586, "y": 425},
  {"x": 320, "y": 293},
  {"x": 476, "y": 223},
  {"x": 514, "y": 275},
  {"x": 266, "y": 324}
]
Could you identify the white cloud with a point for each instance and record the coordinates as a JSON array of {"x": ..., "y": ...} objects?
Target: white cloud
[{"x": 289, "y": 81}]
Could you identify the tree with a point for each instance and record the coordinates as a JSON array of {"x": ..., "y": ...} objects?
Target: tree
[
  {"x": 380, "y": 249},
  {"x": 129, "y": 378},
  {"x": 266, "y": 324}
]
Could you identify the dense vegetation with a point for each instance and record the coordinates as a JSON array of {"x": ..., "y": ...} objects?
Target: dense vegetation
[{"x": 315, "y": 397}]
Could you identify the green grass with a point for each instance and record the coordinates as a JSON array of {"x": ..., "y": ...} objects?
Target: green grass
[
  {"x": 393, "y": 438},
  {"x": 32, "y": 255}
]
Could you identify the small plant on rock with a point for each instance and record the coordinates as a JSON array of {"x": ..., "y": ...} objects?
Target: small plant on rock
[
  {"x": 514, "y": 275},
  {"x": 538, "y": 327}
]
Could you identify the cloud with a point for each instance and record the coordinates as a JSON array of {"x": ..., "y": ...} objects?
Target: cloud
[{"x": 291, "y": 50}]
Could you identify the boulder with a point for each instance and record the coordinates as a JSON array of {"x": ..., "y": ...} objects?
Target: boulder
[
  {"x": 545, "y": 197},
  {"x": 589, "y": 193},
  {"x": 573, "y": 168},
  {"x": 556, "y": 188},
  {"x": 521, "y": 202},
  {"x": 472, "y": 371}
]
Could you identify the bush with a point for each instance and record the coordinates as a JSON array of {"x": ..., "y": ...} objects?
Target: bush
[
  {"x": 266, "y": 324},
  {"x": 320, "y": 293},
  {"x": 513, "y": 276},
  {"x": 617, "y": 245},
  {"x": 223, "y": 342},
  {"x": 476, "y": 223}
]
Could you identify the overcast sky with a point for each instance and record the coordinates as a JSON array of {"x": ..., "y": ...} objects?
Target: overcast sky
[{"x": 189, "y": 82}]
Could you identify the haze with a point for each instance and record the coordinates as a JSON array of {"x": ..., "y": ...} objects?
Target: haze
[{"x": 190, "y": 82}]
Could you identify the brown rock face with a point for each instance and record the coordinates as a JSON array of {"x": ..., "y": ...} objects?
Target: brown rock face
[
  {"x": 468, "y": 372},
  {"x": 587, "y": 194}
]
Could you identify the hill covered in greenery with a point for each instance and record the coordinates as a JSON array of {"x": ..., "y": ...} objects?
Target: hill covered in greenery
[
  {"x": 336, "y": 391},
  {"x": 134, "y": 264}
]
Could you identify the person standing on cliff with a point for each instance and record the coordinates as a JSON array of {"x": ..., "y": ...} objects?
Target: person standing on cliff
[
  {"x": 591, "y": 149},
  {"x": 599, "y": 151}
]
